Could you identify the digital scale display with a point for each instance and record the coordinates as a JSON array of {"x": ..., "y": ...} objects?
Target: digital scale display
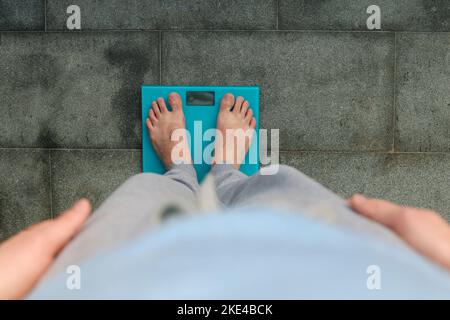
[{"x": 200, "y": 98}]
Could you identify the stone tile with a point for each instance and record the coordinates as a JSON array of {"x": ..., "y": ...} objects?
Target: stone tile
[
  {"x": 407, "y": 15},
  {"x": 167, "y": 14},
  {"x": 74, "y": 90},
  {"x": 324, "y": 91},
  {"x": 413, "y": 179},
  {"x": 423, "y": 95},
  {"x": 24, "y": 189},
  {"x": 92, "y": 174},
  {"x": 22, "y": 15}
]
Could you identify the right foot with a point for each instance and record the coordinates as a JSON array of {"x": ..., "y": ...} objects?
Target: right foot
[
  {"x": 161, "y": 124},
  {"x": 236, "y": 124}
]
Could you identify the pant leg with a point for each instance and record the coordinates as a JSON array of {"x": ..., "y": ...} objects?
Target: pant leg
[
  {"x": 138, "y": 205},
  {"x": 291, "y": 190}
]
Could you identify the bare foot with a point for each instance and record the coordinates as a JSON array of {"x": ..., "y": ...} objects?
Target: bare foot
[
  {"x": 162, "y": 126},
  {"x": 236, "y": 124}
]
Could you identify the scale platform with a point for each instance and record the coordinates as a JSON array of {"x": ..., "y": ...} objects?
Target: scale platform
[{"x": 200, "y": 106}]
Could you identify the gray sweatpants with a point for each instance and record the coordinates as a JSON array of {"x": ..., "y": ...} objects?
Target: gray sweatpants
[{"x": 145, "y": 200}]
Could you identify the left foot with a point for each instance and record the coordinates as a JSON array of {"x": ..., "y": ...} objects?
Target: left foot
[{"x": 161, "y": 124}]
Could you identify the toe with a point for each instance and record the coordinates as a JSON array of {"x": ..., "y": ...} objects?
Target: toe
[
  {"x": 162, "y": 105},
  {"x": 238, "y": 104},
  {"x": 149, "y": 124},
  {"x": 244, "y": 107},
  {"x": 152, "y": 117},
  {"x": 248, "y": 115},
  {"x": 253, "y": 123},
  {"x": 175, "y": 101},
  {"x": 227, "y": 102},
  {"x": 155, "y": 108}
]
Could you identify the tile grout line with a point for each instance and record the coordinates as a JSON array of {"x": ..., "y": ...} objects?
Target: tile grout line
[
  {"x": 223, "y": 30},
  {"x": 431, "y": 153},
  {"x": 45, "y": 15},
  {"x": 51, "y": 183},
  {"x": 278, "y": 15},
  {"x": 70, "y": 149},
  {"x": 394, "y": 111},
  {"x": 160, "y": 57},
  {"x": 281, "y": 150}
]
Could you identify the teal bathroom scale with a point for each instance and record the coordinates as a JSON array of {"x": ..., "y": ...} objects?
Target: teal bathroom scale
[{"x": 200, "y": 107}]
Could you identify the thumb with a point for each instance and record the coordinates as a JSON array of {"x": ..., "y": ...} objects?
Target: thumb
[
  {"x": 382, "y": 211},
  {"x": 68, "y": 224}
]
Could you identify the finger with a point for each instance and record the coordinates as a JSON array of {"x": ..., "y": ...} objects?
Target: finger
[
  {"x": 68, "y": 224},
  {"x": 25, "y": 257},
  {"x": 383, "y": 212}
]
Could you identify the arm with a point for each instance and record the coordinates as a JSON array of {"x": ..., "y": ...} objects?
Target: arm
[
  {"x": 25, "y": 257},
  {"x": 423, "y": 230}
]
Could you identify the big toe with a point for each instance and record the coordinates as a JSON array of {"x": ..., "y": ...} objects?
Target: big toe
[
  {"x": 175, "y": 101},
  {"x": 227, "y": 102}
]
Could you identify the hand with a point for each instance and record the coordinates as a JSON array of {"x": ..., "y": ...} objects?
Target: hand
[
  {"x": 25, "y": 257},
  {"x": 423, "y": 230}
]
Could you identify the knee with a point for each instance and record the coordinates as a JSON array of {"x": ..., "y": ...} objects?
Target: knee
[
  {"x": 284, "y": 173},
  {"x": 287, "y": 170},
  {"x": 280, "y": 170},
  {"x": 142, "y": 178},
  {"x": 137, "y": 177}
]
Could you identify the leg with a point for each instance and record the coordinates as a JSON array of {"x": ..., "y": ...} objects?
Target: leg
[
  {"x": 229, "y": 183},
  {"x": 235, "y": 129},
  {"x": 289, "y": 189},
  {"x": 293, "y": 191},
  {"x": 145, "y": 199},
  {"x": 137, "y": 206}
]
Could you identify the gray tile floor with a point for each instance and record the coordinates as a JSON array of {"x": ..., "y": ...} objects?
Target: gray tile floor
[{"x": 360, "y": 111}]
